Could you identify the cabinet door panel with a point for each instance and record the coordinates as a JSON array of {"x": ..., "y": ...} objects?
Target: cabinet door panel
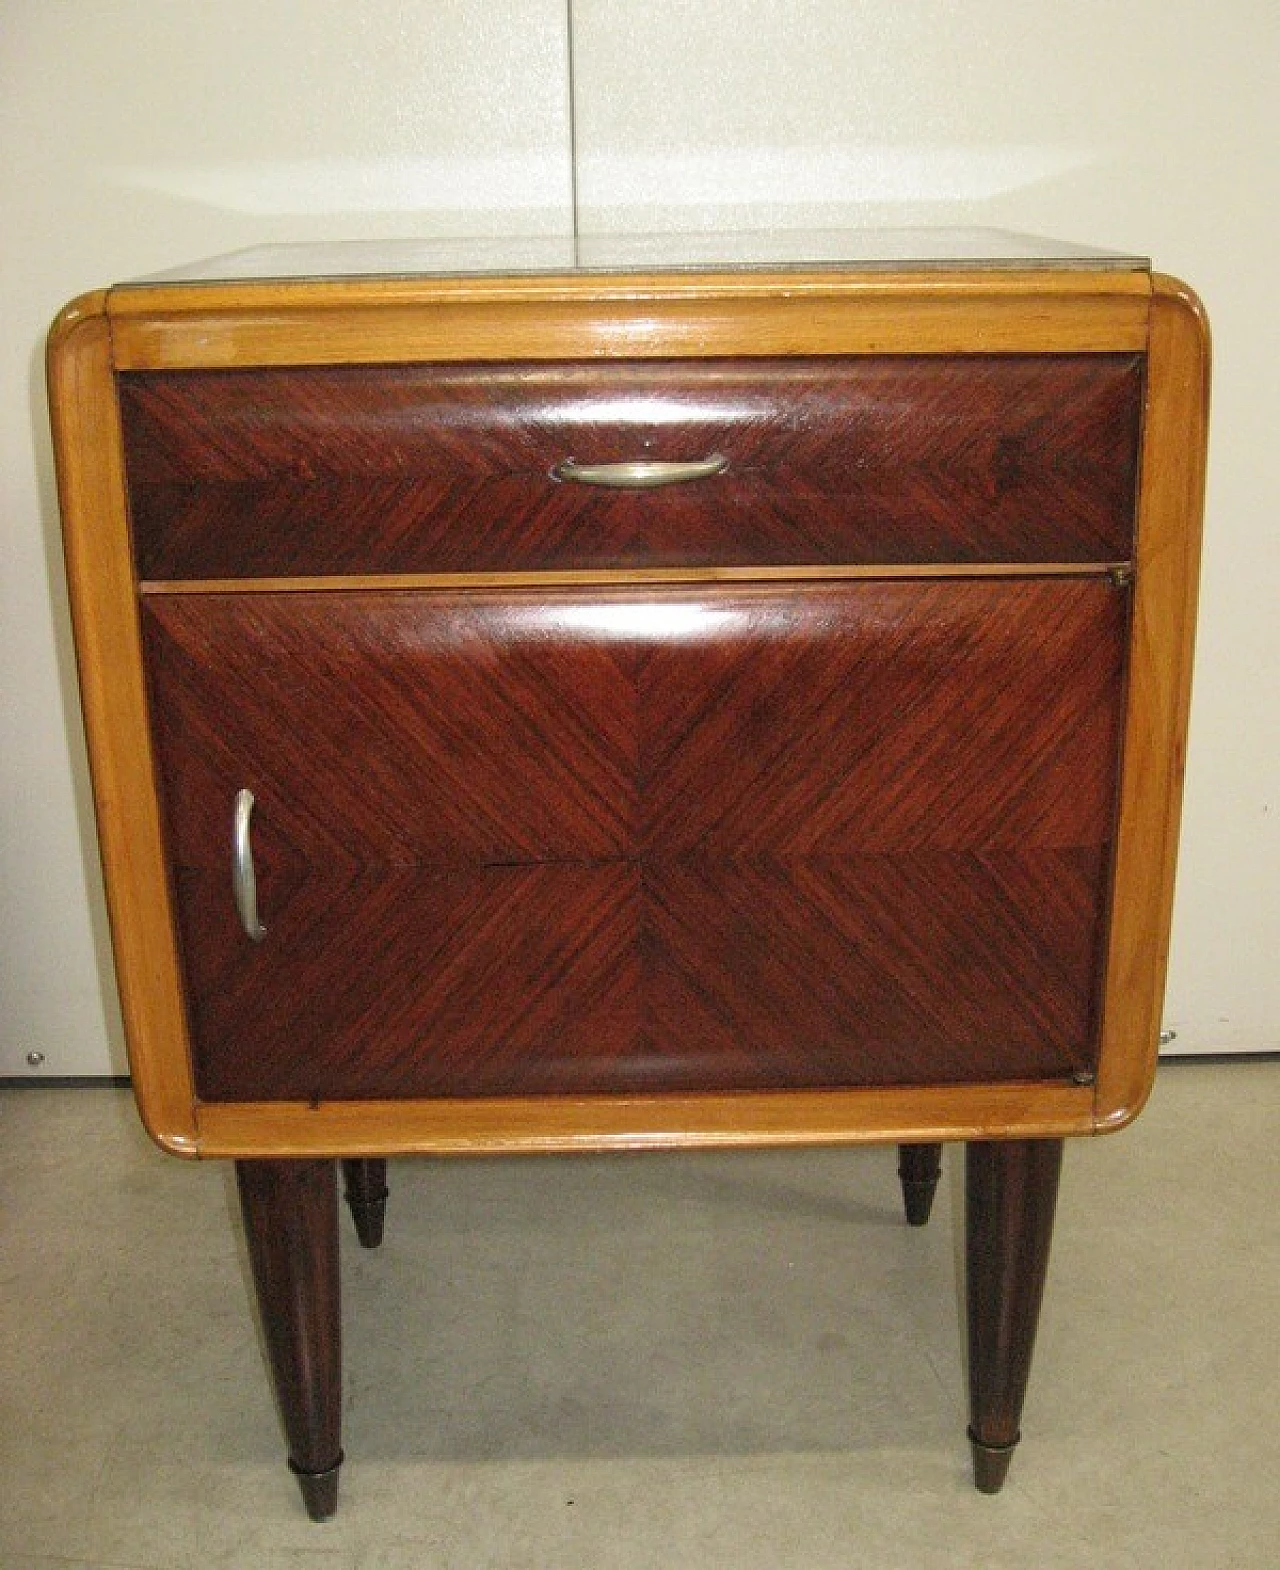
[
  {"x": 610, "y": 841},
  {"x": 401, "y": 981},
  {"x": 390, "y": 729}
]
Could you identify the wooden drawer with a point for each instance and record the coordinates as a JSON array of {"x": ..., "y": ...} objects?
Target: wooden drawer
[
  {"x": 407, "y": 469},
  {"x": 751, "y": 837}
]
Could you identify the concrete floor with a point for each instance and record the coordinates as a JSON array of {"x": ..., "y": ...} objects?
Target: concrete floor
[{"x": 699, "y": 1361}]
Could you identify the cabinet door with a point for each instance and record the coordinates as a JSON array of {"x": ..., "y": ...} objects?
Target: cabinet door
[{"x": 607, "y": 841}]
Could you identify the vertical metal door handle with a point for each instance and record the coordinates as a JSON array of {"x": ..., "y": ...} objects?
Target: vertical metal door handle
[{"x": 244, "y": 884}]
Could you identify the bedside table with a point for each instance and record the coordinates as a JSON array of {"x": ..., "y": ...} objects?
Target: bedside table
[{"x": 559, "y": 699}]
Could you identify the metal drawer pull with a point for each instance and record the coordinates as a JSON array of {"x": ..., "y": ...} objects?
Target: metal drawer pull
[
  {"x": 244, "y": 884},
  {"x": 639, "y": 476}
]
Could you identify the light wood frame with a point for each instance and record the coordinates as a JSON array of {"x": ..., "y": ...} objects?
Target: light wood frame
[{"x": 699, "y": 315}]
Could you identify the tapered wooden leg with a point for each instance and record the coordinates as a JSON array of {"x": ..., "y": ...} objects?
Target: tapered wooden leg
[
  {"x": 1011, "y": 1188},
  {"x": 919, "y": 1167},
  {"x": 365, "y": 1183},
  {"x": 290, "y": 1213}
]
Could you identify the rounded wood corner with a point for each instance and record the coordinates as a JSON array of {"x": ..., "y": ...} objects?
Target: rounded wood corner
[
  {"x": 173, "y": 1140},
  {"x": 1171, "y": 292},
  {"x": 90, "y": 307},
  {"x": 1117, "y": 1111}
]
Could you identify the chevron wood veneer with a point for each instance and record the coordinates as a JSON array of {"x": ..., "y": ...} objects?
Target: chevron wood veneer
[
  {"x": 447, "y": 468},
  {"x": 762, "y": 837},
  {"x": 829, "y": 797}
]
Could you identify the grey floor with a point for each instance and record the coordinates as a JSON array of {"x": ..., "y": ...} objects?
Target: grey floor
[{"x": 704, "y": 1361}]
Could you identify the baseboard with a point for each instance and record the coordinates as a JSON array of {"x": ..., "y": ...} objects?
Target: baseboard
[
  {"x": 1219, "y": 1057},
  {"x": 123, "y": 1081},
  {"x": 65, "y": 1082}
]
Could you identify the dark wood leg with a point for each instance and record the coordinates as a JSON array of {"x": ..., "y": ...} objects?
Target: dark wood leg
[
  {"x": 365, "y": 1181},
  {"x": 1011, "y": 1188},
  {"x": 919, "y": 1167},
  {"x": 290, "y": 1213}
]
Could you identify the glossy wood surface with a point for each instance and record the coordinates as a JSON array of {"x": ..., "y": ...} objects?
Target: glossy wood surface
[
  {"x": 629, "y": 577},
  {"x": 568, "y": 1125},
  {"x": 1011, "y": 1192},
  {"x": 783, "y": 810},
  {"x": 450, "y": 469},
  {"x": 101, "y": 582},
  {"x": 660, "y": 316},
  {"x": 757, "y": 316},
  {"x": 763, "y": 838},
  {"x": 290, "y": 1211},
  {"x": 1167, "y": 582}
]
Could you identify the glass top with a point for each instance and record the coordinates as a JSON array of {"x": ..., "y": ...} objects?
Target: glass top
[{"x": 836, "y": 250}]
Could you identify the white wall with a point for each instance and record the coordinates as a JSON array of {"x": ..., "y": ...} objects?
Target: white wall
[
  {"x": 1152, "y": 126},
  {"x": 138, "y": 133}
]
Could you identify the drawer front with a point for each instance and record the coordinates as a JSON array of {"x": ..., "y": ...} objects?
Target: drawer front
[
  {"x": 607, "y": 841},
  {"x": 350, "y": 470}
]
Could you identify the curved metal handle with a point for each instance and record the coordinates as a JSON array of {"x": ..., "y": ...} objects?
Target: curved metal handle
[
  {"x": 244, "y": 883},
  {"x": 642, "y": 475}
]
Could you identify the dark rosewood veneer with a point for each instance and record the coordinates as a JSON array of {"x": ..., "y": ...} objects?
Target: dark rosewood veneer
[
  {"x": 754, "y": 838},
  {"x": 1016, "y": 458},
  {"x": 608, "y": 710}
]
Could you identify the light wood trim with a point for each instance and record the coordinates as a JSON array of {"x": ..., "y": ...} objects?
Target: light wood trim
[
  {"x": 754, "y": 314},
  {"x": 87, "y": 441},
  {"x": 621, "y": 578},
  {"x": 548, "y": 1125},
  {"x": 1168, "y": 555},
  {"x": 629, "y": 288},
  {"x": 653, "y": 316}
]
